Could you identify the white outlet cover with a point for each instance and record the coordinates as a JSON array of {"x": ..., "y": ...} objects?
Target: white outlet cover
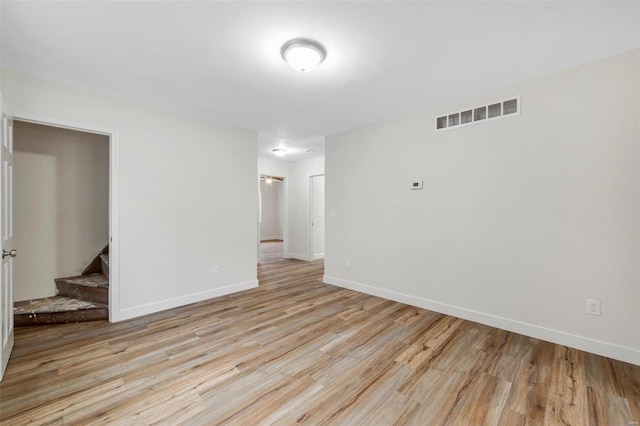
[
  {"x": 416, "y": 184},
  {"x": 593, "y": 307}
]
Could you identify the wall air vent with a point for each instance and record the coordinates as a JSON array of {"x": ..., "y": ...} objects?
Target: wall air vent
[{"x": 506, "y": 108}]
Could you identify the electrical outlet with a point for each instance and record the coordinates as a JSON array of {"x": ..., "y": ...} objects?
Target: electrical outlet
[
  {"x": 216, "y": 269},
  {"x": 593, "y": 307},
  {"x": 347, "y": 263}
]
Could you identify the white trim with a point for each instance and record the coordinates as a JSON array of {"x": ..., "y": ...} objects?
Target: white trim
[
  {"x": 311, "y": 212},
  {"x": 598, "y": 347},
  {"x": 309, "y": 255},
  {"x": 259, "y": 221},
  {"x": 150, "y": 308},
  {"x": 114, "y": 227},
  {"x": 114, "y": 194},
  {"x": 285, "y": 218},
  {"x": 318, "y": 256},
  {"x": 299, "y": 256},
  {"x": 65, "y": 124}
]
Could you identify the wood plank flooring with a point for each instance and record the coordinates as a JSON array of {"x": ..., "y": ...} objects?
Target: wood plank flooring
[{"x": 296, "y": 350}]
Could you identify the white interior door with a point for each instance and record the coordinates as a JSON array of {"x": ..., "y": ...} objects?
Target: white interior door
[
  {"x": 317, "y": 217},
  {"x": 6, "y": 239}
]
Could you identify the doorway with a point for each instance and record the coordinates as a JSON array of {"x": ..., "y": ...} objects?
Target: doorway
[
  {"x": 109, "y": 193},
  {"x": 61, "y": 206},
  {"x": 272, "y": 217},
  {"x": 316, "y": 219}
]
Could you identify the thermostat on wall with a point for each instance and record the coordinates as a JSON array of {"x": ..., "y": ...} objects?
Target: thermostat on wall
[{"x": 416, "y": 184}]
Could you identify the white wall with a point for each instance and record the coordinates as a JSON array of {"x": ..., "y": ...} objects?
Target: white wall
[
  {"x": 520, "y": 220},
  {"x": 299, "y": 206},
  {"x": 272, "y": 199},
  {"x": 178, "y": 215},
  {"x": 61, "y": 205}
]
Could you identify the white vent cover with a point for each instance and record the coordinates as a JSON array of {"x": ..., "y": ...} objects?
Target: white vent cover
[{"x": 495, "y": 110}]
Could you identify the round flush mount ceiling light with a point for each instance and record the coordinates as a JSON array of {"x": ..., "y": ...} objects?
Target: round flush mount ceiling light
[
  {"x": 279, "y": 152},
  {"x": 303, "y": 54}
]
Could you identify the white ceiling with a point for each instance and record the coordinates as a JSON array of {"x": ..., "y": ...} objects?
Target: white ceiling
[{"x": 221, "y": 60}]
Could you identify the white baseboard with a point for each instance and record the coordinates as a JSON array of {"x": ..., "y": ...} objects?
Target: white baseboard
[
  {"x": 305, "y": 257},
  {"x": 154, "y": 307},
  {"x": 587, "y": 344},
  {"x": 299, "y": 256}
]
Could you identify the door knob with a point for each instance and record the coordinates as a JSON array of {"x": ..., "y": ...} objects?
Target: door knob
[{"x": 12, "y": 253}]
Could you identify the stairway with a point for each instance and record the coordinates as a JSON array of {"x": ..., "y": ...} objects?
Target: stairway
[{"x": 79, "y": 298}]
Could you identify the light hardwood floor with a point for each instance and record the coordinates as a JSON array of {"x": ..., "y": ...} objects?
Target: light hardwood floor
[{"x": 296, "y": 350}]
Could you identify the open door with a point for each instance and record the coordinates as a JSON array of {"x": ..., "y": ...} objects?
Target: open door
[{"x": 6, "y": 241}]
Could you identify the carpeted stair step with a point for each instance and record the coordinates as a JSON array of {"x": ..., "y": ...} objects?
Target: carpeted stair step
[
  {"x": 58, "y": 310},
  {"x": 91, "y": 288},
  {"x": 104, "y": 260}
]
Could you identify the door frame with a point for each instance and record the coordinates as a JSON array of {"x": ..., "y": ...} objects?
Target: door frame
[
  {"x": 311, "y": 210},
  {"x": 114, "y": 193},
  {"x": 285, "y": 215}
]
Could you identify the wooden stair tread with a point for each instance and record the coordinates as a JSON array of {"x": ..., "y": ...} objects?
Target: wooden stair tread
[
  {"x": 93, "y": 280},
  {"x": 58, "y": 310},
  {"x": 92, "y": 288},
  {"x": 53, "y": 304}
]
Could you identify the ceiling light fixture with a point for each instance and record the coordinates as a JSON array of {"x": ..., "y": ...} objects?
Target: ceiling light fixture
[
  {"x": 302, "y": 54},
  {"x": 279, "y": 152},
  {"x": 268, "y": 180}
]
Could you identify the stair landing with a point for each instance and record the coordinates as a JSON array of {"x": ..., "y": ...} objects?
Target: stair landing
[{"x": 58, "y": 310}]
